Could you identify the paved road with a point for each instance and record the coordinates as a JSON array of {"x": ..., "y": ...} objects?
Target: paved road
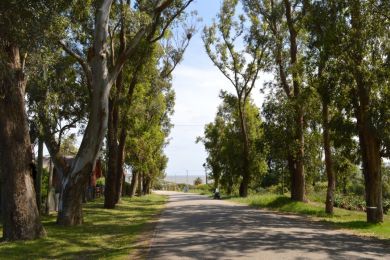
[{"x": 196, "y": 227}]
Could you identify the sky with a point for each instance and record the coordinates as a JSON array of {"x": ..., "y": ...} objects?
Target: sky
[{"x": 197, "y": 83}]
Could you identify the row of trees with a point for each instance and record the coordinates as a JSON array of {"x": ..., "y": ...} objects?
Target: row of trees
[
  {"x": 96, "y": 66},
  {"x": 330, "y": 61}
]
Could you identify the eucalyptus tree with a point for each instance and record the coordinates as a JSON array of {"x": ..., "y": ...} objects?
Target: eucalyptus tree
[
  {"x": 221, "y": 42},
  {"x": 22, "y": 29},
  {"x": 149, "y": 23},
  {"x": 148, "y": 126},
  {"x": 366, "y": 60},
  {"x": 323, "y": 22},
  {"x": 168, "y": 55},
  {"x": 284, "y": 19}
]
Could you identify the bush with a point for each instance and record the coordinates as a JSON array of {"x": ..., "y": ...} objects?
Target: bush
[
  {"x": 350, "y": 202},
  {"x": 356, "y": 188},
  {"x": 277, "y": 189},
  {"x": 101, "y": 181},
  {"x": 386, "y": 206},
  {"x": 321, "y": 186},
  {"x": 198, "y": 181},
  {"x": 204, "y": 187}
]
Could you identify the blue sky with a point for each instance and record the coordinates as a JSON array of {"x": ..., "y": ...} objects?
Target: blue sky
[{"x": 197, "y": 84}]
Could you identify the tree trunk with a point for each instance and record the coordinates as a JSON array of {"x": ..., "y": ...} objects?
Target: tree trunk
[
  {"x": 112, "y": 145},
  {"x": 298, "y": 177},
  {"x": 134, "y": 183},
  {"x": 139, "y": 186},
  {"x": 38, "y": 179},
  {"x": 245, "y": 140},
  {"x": 71, "y": 197},
  {"x": 72, "y": 186},
  {"x": 146, "y": 185},
  {"x": 120, "y": 163},
  {"x": 370, "y": 149},
  {"x": 328, "y": 160},
  {"x": 368, "y": 139},
  {"x": 19, "y": 206}
]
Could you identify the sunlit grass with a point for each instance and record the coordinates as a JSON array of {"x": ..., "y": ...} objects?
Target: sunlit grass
[
  {"x": 354, "y": 220},
  {"x": 106, "y": 234}
]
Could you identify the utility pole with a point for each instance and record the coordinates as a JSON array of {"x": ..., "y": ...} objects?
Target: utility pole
[{"x": 187, "y": 177}]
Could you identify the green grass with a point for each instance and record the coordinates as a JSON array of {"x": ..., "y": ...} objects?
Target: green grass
[
  {"x": 201, "y": 192},
  {"x": 354, "y": 220},
  {"x": 108, "y": 234}
]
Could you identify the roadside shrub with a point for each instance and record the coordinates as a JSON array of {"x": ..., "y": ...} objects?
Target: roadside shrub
[
  {"x": 349, "y": 202},
  {"x": 356, "y": 188},
  {"x": 204, "y": 187},
  {"x": 276, "y": 189},
  {"x": 386, "y": 206},
  {"x": 198, "y": 181},
  {"x": 321, "y": 186}
]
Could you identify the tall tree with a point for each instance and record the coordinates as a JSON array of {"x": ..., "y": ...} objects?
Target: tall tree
[
  {"x": 368, "y": 38},
  {"x": 221, "y": 41},
  {"x": 22, "y": 26},
  {"x": 322, "y": 25},
  {"x": 223, "y": 143},
  {"x": 284, "y": 19},
  {"x": 117, "y": 134}
]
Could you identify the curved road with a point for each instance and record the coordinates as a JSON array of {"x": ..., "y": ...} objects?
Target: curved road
[{"x": 197, "y": 227}]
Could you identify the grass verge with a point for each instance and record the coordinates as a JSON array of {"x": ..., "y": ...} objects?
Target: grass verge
[
  {"x": 106, "y": 233},
  {"x": 353, "y": 220}
]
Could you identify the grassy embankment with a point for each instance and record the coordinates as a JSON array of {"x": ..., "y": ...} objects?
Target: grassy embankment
[
  {"x": 354, "y": 220},
  {"x": 108, "y": 234}
]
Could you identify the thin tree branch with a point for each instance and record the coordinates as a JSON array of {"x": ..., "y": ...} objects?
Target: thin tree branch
[
  {"x": 80, "y": 60},
  {"x": 170, "y": 20}
]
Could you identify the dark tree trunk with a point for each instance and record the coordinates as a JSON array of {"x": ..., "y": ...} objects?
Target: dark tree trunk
[
  {"x": 38, "y": 179},
  {"x": 230, "y": 186},
  {"x": 49, "y": 187},
  {"x": 146, "y": 185},
  {"x": 19, "y": 207},
  {"x": 245, "y": 140},
  {"x": 298, "y": 177},
  {"x": 133, "y": 184},
  {"x": 139, "y": 184},
  {"x": 120, "y": 162},
  {"x": 368, "y": 138},
  {"x": 112, "y": 145},
  {"x": 328, "y": 160},
  {"x": 370, "y": 149}
]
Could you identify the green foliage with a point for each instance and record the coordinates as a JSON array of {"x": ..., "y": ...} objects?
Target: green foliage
[
  {"x": 223, "y": 143},
  {"x": 68, "y": 145},
  {"x": 101, "y": 181}
]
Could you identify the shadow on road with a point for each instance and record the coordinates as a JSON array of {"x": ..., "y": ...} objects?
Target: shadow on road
[{"x": 196, "y": 227}]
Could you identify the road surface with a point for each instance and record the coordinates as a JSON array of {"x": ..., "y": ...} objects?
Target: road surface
[{"x": 197, "y": 227}]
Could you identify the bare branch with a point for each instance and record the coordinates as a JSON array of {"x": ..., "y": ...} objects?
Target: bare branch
[
  {"x": 80, "y": 60},
  {"x": 170, "y": 20}
]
